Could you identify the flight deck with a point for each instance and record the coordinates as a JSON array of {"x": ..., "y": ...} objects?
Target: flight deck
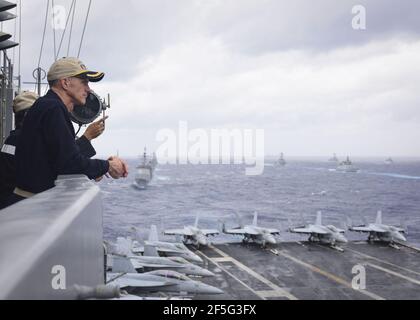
[{"x": 303, "y": 270}]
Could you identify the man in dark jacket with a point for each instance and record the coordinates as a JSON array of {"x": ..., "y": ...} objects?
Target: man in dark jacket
[
  {"x": 46, "y": 146},
  {"x": 21, "y": 105}
]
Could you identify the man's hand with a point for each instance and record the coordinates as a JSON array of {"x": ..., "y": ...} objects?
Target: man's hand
[
  {"x": 118, "y": 168},
  {"x": 95, "y": 129}
]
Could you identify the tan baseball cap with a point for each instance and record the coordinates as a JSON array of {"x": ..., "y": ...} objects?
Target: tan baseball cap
[
  {"x": 24, "y": 101},
  {"x": 72, "y": 67}
]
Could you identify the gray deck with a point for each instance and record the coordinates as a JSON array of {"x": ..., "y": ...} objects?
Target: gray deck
[{"x": 311, "y": 271}]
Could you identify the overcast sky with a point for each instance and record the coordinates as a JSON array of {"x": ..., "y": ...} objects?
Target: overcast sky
[{"x": 296, "y": 69}]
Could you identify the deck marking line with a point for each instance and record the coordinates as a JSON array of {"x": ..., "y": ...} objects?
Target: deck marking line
[
  {"x": 386, "y": 262},
  {"x": 279, "y": 292},
  {"x": 330, "y": 276},
  {"x": 256, "y": 275},
  {"x": 240, "y": 281},
  {"x": 399, "y": 275}
]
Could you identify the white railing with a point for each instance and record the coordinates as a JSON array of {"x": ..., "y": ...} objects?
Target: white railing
[{"x": 52, "y": 242}]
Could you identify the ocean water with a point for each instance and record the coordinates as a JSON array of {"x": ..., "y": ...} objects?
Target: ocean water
[{"x": 282, "y": 196}]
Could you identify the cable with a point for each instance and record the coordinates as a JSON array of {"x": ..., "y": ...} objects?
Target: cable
[
  {"x": 80, "y": 127},
  {"x": 20, "y": 39},
  {"x": 53, "y": 22},
  {"x": 43, "y": 35},
  {"x": 71, "y": 27},
  {"x": 65, "y": 29},
  {"x": 14, "y": 36},
  {"x": 84, "y": 29}
]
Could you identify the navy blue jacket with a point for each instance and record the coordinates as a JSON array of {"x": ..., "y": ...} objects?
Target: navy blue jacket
[
  {"x": 47, "y": 148},
  {"x": 7, "y": 168},
  {"x": 8, "y": 164}
]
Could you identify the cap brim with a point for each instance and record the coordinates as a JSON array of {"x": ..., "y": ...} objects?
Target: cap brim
[{"x": 92, "y": 76}]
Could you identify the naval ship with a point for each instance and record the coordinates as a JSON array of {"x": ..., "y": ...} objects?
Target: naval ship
[
  {"x": 389, "y": 161},
  {"x": 145, "y": 170},
  {"x": 347, "y": 166},
  {"x": 333, "y": 158},
  {"x": 51, "y": 247},
  {"x": 280, "y": 161}
]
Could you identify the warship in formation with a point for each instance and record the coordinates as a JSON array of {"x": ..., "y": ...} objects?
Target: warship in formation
[
  {"x": 280, "y": 161},
  {"x": 333, "y": 158},
  {"x": 347, "y": 166},
  {"x": 145, "y": 170},
  {"x": 389, "y": 161}
]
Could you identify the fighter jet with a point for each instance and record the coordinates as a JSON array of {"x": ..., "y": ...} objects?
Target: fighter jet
[
  {"x": 124, "y": 275},
  {"x": 152, "y": 261},
  {"x": 193, "y": 234},
  {"x": 319, "y": 233},
  {"x": 254, "y": 232},
  {"x": 380, "y": 231},
  {"x": 168, "y": 249}
]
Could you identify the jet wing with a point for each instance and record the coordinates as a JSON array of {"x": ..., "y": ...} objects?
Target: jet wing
[
  {"x": 235, "y": 231},
  {"x": 251, "y": 231},
  {"x": 273, "y": 231},
  {"x": 361, "y": 229},
  {"x": 378, "y": 229},
  {"x": 368, "y": 229},
  {"x": 210, "y": 232},
  {"x": 137, "y": 250},
  {"x": 130, "y": 281},
  {"x": 142, "y": 264},
  {"x": 309, "y": 230},
  {"x": 318, "y": 230},
  {"x": 181, "y": 232}
]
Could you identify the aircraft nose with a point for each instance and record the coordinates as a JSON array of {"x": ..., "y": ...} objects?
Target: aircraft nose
[
  {"x": 342, "y": 239},
  {"x": 270, "y": 239},
  {"x": 195, "y": 258},
  {"x": 210, "y": 289},
  {"x": 400, "y": 237},
  {"x": 206, "y": 273}
]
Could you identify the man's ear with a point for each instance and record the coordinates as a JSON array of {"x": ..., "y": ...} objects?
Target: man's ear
[{"x": 65, "y": 83}]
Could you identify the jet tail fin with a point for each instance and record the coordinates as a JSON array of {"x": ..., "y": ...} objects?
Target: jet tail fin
[
  {"x": 302, "y": 219},
  {"x": 123, "y": 246},
  {"x": 221, "y": 225},
  {"x": 255, "y": 221},
  {"x": 153, "y": 234},
  {"x": 239, "y": 220},
  {"x": 349, "y": 222},
  {"x": 197, "y": 217},
  {"x": 318, "y": 221},
  {"x": 122, "y": 264},
  {"x": 404, "y": 225},
  {"x": 379, "y": 217},
  {"x": 136, "y": 232},
  {"x": 150, "y": 251}
]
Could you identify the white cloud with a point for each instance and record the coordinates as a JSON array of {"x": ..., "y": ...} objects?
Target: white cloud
[
  {"x": 362, "y": 96},
  {"x": 295, "y": 69}
]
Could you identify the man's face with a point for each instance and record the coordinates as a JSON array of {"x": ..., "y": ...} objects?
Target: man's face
[{"x": 78, "y": 90}]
